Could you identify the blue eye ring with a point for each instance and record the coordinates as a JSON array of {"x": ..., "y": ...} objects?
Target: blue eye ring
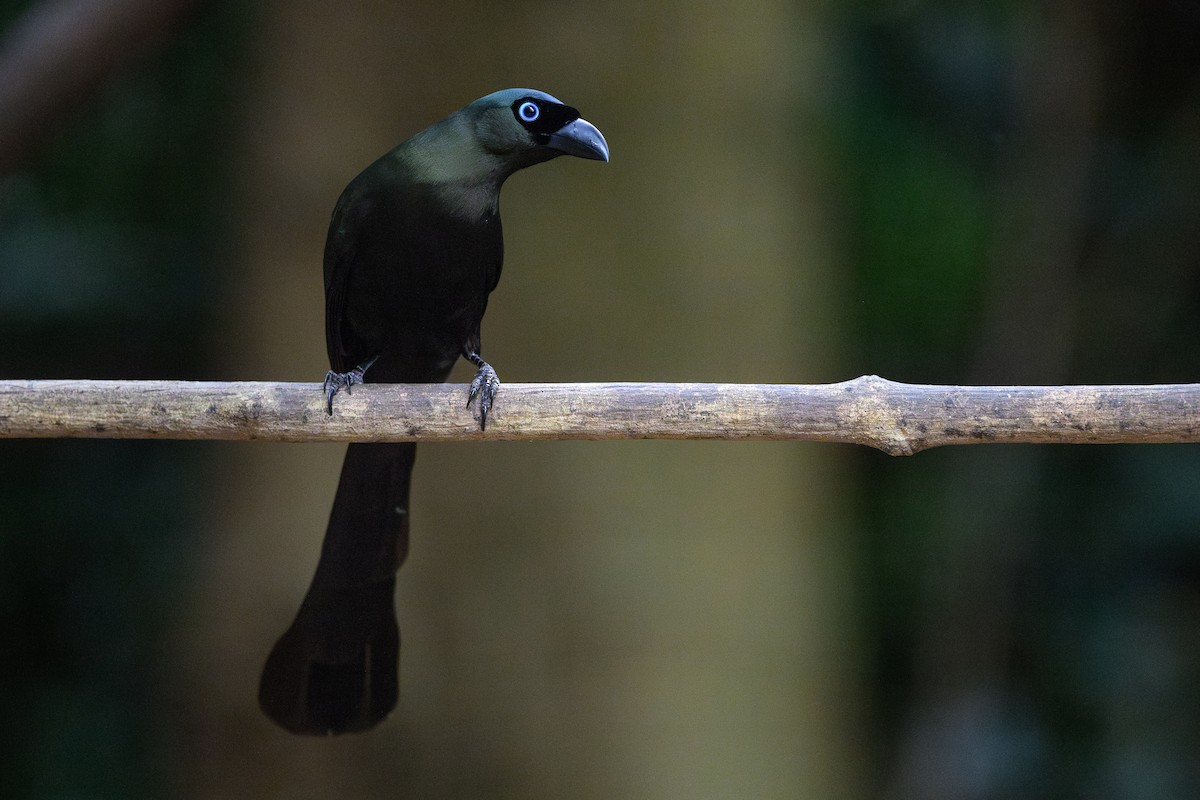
[{"x": 528, "y": 111}]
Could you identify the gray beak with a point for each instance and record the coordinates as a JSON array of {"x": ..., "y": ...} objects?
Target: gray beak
[{"x": 580, "y": 138}]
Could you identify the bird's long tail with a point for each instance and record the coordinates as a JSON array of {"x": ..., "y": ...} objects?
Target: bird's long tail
[{"x": 335, "y": 669}]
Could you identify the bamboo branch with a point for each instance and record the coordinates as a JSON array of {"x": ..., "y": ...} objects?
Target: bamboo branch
[{"x": 897, "y": 418}]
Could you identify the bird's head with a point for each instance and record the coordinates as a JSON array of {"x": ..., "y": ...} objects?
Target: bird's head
[
  {"x": 488, "y": 140},
  {"x": 529, "y": 127}
]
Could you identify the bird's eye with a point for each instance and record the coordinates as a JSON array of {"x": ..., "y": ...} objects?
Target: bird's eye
[{"x": 529, "y": 111}]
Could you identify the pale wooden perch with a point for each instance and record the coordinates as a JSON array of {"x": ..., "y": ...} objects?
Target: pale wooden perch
[{"x": 898, "y": 418}]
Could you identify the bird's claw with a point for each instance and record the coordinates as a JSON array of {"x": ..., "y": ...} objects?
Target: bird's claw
[
  {"x": 484, "y": 387},
  {"x": 343, "y": 380},
  {"x": 335, "y": 381}
]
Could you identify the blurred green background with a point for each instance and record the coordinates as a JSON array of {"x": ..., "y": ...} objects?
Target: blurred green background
[{"x": 799, "y": 192}]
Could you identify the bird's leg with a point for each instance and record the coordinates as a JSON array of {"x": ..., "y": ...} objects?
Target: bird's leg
[
  {"x": 484, "y": 386},
  {"x": 343, "y": 380}
]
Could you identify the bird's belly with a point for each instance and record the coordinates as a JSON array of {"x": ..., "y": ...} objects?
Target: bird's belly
[{"x": 418, "y": 330}]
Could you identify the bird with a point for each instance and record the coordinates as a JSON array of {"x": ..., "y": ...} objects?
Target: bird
[{"x": 414, "y": 248}]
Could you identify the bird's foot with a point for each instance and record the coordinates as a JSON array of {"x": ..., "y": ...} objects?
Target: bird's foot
[
  {"x": 484, "y": 387},
  {"x": 335, "y": 381}
]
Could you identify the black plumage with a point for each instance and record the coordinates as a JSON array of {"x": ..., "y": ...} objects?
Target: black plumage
[{"x": 414, "y": 249}]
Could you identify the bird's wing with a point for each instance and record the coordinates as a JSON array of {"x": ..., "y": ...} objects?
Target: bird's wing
[
  {"x": 339, "y": 258},
  {"x": 492, "y": 275}
]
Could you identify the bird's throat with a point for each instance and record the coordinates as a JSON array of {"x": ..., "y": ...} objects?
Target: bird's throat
[{"x": 469, "y": 201}]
